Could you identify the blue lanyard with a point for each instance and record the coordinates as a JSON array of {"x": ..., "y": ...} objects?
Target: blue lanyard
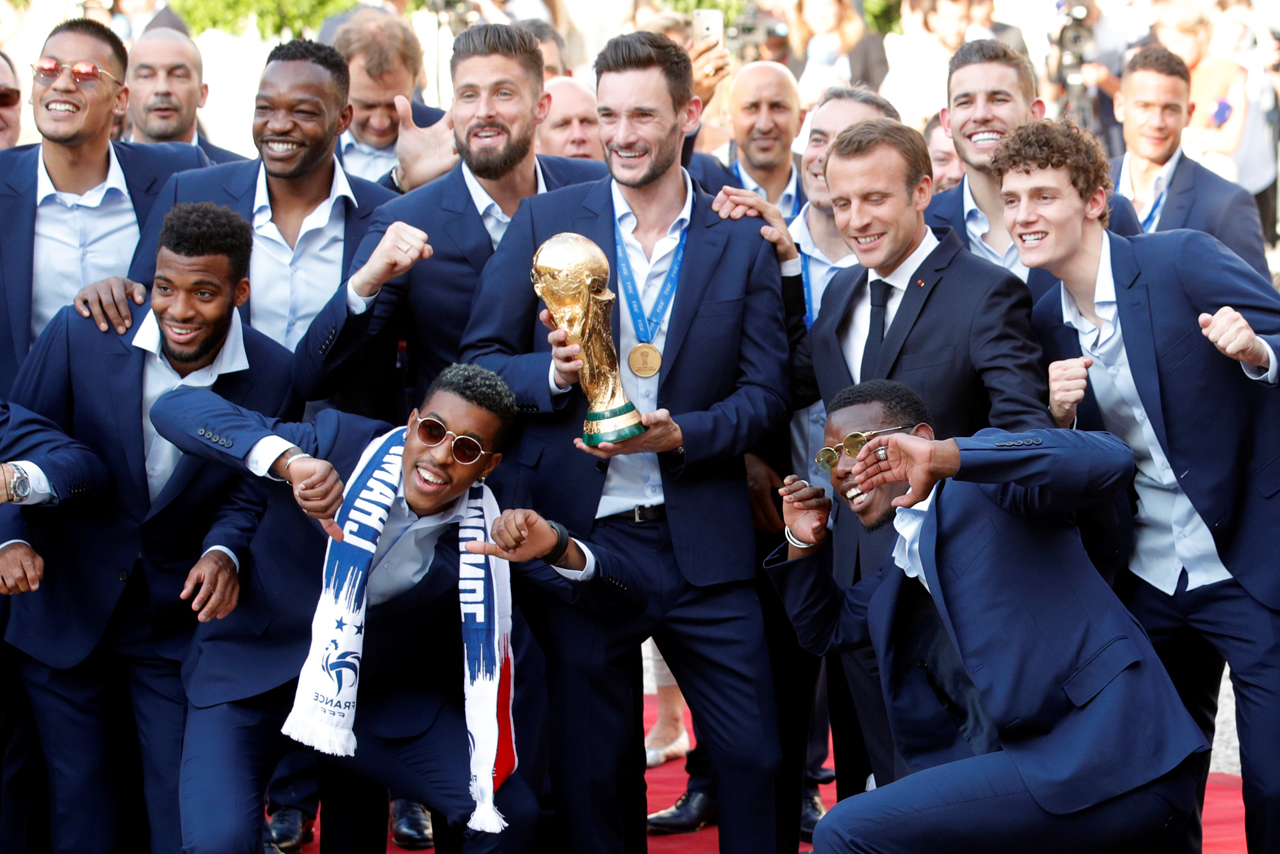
[
  {"x": 808, "y": 291},
  {"x": 1149, "y": 221},
  {"x": 795, "y": 202},
  {"x": 647, "y": 328}
]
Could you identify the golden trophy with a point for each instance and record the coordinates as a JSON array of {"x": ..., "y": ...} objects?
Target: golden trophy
[{"x": 571, "y": 275}]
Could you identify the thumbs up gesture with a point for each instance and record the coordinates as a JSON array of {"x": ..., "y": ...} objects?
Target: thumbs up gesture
[{"x": 424, "y": 153}]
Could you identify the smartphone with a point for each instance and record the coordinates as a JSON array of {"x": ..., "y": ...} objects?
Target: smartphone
[{"x": 708, "y": 24}]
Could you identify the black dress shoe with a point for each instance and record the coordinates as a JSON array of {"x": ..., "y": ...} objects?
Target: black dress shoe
[
  {"x": 693, "y": 811},
  {"x": 291, "y": 828},
  {"x": 410, "y": 825},
  {"x": 811, "y": 809},
  {"x": 824, "y": 776}
]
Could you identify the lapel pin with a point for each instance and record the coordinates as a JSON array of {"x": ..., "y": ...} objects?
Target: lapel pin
[{"x": 920, "y": 282}]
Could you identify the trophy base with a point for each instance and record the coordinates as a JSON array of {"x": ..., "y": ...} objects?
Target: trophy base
[{"x": 612, "y": 425}]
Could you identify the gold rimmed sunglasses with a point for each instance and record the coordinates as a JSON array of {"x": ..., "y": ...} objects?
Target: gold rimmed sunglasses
[{"x": 828, "y": 458}]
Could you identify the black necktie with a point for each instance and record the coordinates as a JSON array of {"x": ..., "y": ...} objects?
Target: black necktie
[{"x": 875, "y": 334}]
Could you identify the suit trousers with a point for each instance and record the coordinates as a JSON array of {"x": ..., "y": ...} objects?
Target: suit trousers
[
  {"x": 1193, "y": 631},
  {"x": 712, "y": 638},
  {"x": 981, "y": 805},
  {"x": 76, "y": 723}
]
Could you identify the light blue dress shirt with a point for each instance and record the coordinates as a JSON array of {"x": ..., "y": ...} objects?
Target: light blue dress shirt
[
  {"x": 908, "y": 522},
  {"x": 495, "y": 221},
  {"x": 1151, "y": 219},
  {"x": 79, "y": 240},
  {"x": 976, "y": 225},
  {"x": 365, "y": 161},
  {"x": 786, "y": 203}
]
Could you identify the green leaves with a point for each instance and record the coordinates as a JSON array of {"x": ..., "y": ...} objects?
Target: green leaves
[{"x": 274, "y": 17}]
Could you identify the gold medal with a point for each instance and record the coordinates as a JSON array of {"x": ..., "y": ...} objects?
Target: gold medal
[{"x": 645, "y": 360}]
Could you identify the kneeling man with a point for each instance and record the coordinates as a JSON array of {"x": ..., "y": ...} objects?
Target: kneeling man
[{"x": 1028, "y": 703}]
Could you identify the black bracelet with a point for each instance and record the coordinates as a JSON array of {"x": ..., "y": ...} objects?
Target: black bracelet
[{"x": 561, "y": 546}]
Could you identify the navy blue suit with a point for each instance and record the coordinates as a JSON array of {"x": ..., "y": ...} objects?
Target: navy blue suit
[
  {"x": 1203, "y": 201},
  {"x": 216, "y": 155},
  {"x": 244, "y": 680},
  {"x": 723, "y": 378},
  {"x": 1215, "y": 427},
  {"x": 428, "y": 306},
  {"x": 1079, "y": 723},
  {"x": 145, "y": 167},
  {"x": 110, "y": 597},
  {"x": 712, "y": 176},
  {"x": 947, "y": 210}
]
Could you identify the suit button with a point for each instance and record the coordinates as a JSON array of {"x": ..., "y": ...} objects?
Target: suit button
[
  {"x": 230, "y": 442},
  {"x": 601, "y": 465},
  {"x": 200, "y": 432},
  {"x": 1035, "y": 441},
  {"x": 124, "y": 576}
]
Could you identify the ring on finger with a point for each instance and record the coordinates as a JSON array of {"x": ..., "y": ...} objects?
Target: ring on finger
[{"x": 882, "y": 453}]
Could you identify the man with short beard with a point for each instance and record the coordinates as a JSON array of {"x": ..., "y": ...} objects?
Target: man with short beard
[
  {"x": 706, "y": 367},
  {"x": 166, "y": 87},
  {"x": 129, "y": 580},
  {"x": 401, "y": 287}
]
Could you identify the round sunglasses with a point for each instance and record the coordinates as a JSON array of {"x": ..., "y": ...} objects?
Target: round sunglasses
[
  {"x": 85, "y": 73},
  {"x": 466, "y": 450},
  {"x": 828, "y": 458}
]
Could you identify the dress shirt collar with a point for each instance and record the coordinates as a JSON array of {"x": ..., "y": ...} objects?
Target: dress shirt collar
[
  {"x": 481, "y": 198},
  {"x": 449, "y": 514},
  {"x": 348, "y": 141},
  {"x": 803, "y": 238},
  {"x": 340, "y": 187},
  {"x": 93, "y": 198},
  {"x": 788, "y": 192},
  {"x": 1104, "y": 295},
  {"x": 230, "y": 358},
  {"x": 1163, "y": 177},
  {"x": 627, "y": 220},
  {"x": 901, "y": 276}
]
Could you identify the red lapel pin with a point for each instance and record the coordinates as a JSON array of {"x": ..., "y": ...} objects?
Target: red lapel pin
[{"x": 920, "y": 282}]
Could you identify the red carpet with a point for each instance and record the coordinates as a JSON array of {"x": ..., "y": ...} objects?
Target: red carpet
[{"x": 1223, "y": 811}]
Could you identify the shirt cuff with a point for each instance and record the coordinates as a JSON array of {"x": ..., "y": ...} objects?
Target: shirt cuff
[
  {"x": 265, "y": 452},
  {"x": 791, "y": 267},
  {"x": 587, "y": 572},
  {"x": 551, "y": 381},
  {"x": 41, "y": 491},
  {"x": 11, "y": 542},
  {"x": 357, "y": 304},
  {"x": 226, "y": 551},
  {"x": 1268, "y": 376}
]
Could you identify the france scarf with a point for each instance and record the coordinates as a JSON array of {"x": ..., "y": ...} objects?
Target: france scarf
[{"x": 324, "y": 706}]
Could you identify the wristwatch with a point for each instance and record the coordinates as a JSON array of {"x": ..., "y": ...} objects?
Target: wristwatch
[{"x": 19, "y": 486}]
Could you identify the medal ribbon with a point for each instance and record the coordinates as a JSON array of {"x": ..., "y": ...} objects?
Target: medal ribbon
[
  {"x": 647, "y": 327},
  {"x": 808, "y": 290}
]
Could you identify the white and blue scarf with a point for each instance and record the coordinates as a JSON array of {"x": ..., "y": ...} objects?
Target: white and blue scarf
[{"x": 324, "y": 706}]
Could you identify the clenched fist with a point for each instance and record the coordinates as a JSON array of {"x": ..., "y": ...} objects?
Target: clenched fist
[
  {"x": 400, "y": 248},
  {"x": 1068, "y": 380}
]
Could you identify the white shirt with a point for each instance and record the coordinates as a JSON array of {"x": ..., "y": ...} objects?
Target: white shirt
[
  {"x": 635, "y": 479},
  {"x": 79, "y": 240},
  {"x": 808, "y": 425},
  {"x": 976, "y": 225},
  {"x": 1169, "y": 534},
  {"x": 365, "y": 161},
  {"x": 1125, "y": 187},
  {"x": 908, "y": 521},
  {"x": 854, "y": 330},
  {"x": 786, "y": 203},
  {"x": 292, "y": 284},
  {"x": 495, "y": 221}
]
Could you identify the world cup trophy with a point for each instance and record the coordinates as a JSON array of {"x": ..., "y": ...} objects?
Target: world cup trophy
[{"x": 571, "y": 275}]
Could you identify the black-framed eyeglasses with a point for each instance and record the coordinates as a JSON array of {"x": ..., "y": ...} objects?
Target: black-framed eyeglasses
[
  {"x": 85, "y": 73},
  {"x": 829, "y": 458},
  {"x": 9, "y": 97},
  {"x": 466, "y": 450}
]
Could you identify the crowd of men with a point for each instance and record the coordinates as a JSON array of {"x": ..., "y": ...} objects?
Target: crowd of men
[{"x": 973, "y": 420}]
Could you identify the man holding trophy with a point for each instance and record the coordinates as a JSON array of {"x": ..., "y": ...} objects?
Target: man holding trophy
[{"x": 702, "y": 356}]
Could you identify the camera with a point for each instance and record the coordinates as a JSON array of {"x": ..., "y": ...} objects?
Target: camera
[{"x": 751, "y": 30}]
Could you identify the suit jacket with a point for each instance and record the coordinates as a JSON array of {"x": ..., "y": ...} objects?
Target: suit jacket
[
  {"x": 145, "y": 167},
  {"x": 91, "y": 386},
  {"x": 962, "y": 340},
  {"x": 1213, "y": 423},
  {"x": 418, "y": 631},
  {"x": 423, "y": 117},
  {"x": 429, "y": 305},
  {"x": 1080, "y": 701},
  {"x": 947, "y": 210},
  {"x": 1202, "y": 201},
  {"x": 216, "y": 155},
  {"x": 723, "y": 375},
  {"x": 712, "y": 175}
]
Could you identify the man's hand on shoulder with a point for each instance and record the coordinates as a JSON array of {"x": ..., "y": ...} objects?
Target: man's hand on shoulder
[
  {"x": 215, "y": 574},
  {"x": 1234, "y": 337},
  {"x": 107, "y": 302},
  {"x": 400, "y": 248},
  {"x": 735, "y": 203},
  {"x": 424, "y": 154},
  {"x": 20, "y": 569}
]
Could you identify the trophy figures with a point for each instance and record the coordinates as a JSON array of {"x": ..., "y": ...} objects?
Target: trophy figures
[{"x": 571, "y": 275}]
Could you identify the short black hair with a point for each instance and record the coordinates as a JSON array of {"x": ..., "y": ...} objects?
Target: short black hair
[
  {"x": 328, "y": 58},
  {"x": 1161, "y": 60},
  {"x": 203, "y": 228},
  {"x": 640, "y": 51},
  {"x": 899, "y": 400},
  {"x": 499, "y": 40},
  {"x": 483, "y": 388},
  {"x": 8, "y": 61},
  {"x": 95, "y": 30}
]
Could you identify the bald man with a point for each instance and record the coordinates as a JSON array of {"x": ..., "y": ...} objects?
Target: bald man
[
  {"x": 166, "y": 87},
  {"x": 10, "y": 103},
  {"x": 572, "y": 128},
  {"x": 765, "y": 113}
]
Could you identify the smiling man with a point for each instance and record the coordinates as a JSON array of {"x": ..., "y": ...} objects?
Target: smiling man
[
  {"x": 129, "y": 580},
  {"x": 74, "y": 204},
  {"x": 991, "y": 90}
]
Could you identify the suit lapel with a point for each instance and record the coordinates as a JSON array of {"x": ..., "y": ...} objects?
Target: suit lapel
[
  {"x": 241, "y": 190},
  {"x": 595, "y": 222},
  {"x": 463, "y": 222},
  {"x": 929, "y": 559},
  {"x": 355, "y": 224},
  {"x": 124, "y": 376},
  {"x": 1133, "y": 306},
  {"x": 702, "y": 254},
  {"x": 17, "y": 212},
  {"x": 917, "y": 293},
  {"x": 1181, "y": 195}
]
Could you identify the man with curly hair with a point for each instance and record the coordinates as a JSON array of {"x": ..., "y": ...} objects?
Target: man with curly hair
[{"x": 1142, "y": 335}]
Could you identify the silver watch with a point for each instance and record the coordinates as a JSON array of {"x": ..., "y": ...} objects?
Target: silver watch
[{"x": 20, "y": 486}]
